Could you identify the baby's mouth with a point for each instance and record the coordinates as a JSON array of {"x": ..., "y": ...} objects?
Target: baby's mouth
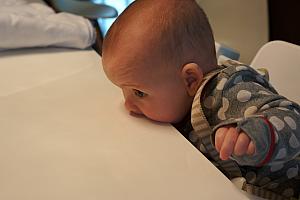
[{"x": 136, "y": 115}]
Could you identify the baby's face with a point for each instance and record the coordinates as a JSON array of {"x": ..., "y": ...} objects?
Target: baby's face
[{"x": 149, "y": 88}]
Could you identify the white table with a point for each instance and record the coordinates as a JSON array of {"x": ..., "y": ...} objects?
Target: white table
[{"x": 64, "y": 135}]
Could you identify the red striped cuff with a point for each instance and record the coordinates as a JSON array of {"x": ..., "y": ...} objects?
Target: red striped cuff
[{"x": 272, "y": 145}]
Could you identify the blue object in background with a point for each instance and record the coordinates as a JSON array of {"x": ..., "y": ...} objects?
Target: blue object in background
[{"x": 120, "y": 5}]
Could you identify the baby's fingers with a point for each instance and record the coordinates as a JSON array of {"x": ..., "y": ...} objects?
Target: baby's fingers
[
  {"x": 229, "y": 143},
  {"x": 219, "y": 137},
  {"x": 242, "y": 143},
  {"x": 251, "y": 148}
]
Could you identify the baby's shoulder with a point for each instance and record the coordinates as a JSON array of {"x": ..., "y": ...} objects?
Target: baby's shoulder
[
  {"x": 234, "y": 73},
  {"x": 232, "y": 68}
]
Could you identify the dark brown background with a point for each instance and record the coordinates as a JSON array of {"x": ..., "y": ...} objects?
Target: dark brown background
[{"x": 284, "y": 20}]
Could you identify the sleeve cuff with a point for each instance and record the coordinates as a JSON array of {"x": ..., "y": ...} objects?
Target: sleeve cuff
[
  {"x": 261, "y": 132},
  {"x": 272, "y": 142}
]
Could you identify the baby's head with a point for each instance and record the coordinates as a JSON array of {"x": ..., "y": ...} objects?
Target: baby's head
[{"x": 157, "y": 52}]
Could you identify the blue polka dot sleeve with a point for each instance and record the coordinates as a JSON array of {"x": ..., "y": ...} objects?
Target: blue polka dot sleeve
[{"x": 244, "y": 98}]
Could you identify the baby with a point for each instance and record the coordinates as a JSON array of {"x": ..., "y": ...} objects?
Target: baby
[{"x": 162, "y": 55}]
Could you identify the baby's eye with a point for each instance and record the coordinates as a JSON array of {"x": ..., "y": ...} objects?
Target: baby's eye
[{"x": 139, "y": 93}]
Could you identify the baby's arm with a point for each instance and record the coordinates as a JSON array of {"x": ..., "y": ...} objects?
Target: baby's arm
[
  {"x": 258, "y": 126},
  {"x": 256, "y": 141}
]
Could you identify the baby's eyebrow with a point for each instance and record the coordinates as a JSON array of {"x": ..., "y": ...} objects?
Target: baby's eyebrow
[{"x": 130, "y": 85}]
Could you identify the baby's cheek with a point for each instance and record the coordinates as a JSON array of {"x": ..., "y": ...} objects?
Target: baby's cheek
[{"x": 159, "y": 115}]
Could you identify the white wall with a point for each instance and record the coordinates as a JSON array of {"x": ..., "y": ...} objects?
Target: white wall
[{"x": 239, "y": 24}]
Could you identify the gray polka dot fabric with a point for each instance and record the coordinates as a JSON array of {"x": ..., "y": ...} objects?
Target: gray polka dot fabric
[{"x": 243, "y": 97}]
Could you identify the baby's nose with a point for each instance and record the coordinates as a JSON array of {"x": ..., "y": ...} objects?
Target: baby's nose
[{"x": 131, "y": 107}]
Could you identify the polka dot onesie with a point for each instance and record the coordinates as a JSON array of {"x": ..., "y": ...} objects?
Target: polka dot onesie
[{"x": 241, "y": 96}]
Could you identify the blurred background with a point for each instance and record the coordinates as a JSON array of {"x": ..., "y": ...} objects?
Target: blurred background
[
  {"x": 243, "y": 25},
  {"x": 120, "y": 5}
]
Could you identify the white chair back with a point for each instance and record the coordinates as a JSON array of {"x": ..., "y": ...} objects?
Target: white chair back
[{"x": 282, "y": 60}]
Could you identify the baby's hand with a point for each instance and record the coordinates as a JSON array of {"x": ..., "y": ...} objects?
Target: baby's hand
[{"x": 228, "y": 141}]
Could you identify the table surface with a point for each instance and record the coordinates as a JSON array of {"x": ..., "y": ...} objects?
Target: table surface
[{"x": 64, "y": 134}]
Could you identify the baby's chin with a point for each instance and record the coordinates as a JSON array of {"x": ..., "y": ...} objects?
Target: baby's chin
[
  {"x": 149, "y": 118},
  {"x": 171, "y": 120}
]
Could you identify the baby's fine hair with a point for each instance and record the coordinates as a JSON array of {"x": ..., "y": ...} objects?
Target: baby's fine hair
[{"x": 180, "y": 27}]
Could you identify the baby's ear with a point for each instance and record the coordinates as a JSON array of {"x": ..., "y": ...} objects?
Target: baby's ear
[{"x": 192, "y": 76}]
